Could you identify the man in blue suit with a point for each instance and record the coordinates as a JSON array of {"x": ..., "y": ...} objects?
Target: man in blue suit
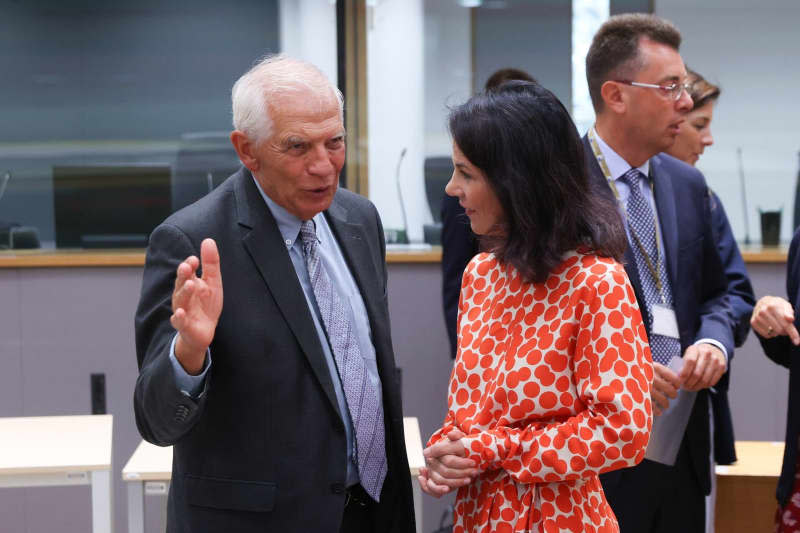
[{"x": 636, "y": 80}]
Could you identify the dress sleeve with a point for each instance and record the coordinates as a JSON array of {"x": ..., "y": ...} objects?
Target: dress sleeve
[{"x": 612, "y": 372}]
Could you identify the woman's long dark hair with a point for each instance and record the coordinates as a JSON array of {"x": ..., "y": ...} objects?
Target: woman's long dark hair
[{"x": 524, "y": 140}]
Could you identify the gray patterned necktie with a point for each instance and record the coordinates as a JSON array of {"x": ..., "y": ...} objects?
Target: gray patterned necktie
[
  {"x": 641, "y": 225},
  {"x": 360, "y": 393}
]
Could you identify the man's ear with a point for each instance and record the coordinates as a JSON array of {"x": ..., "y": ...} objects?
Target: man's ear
[
  {"x": 245, "y": 148},
  {"x": 613, "y": 97}
]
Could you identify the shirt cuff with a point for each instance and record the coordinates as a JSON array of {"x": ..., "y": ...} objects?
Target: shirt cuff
[
  {"x": 188, "y": 384},
  {"x": 714, "y": 343}
]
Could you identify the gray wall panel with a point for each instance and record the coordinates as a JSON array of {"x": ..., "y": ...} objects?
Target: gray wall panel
[
  {"x": 10, "y": 345},
  {"x": 759, "y": 388},
  {"x": 422, "y": 350},
  {"x": 59, "y": 509},
  {"x": 12, "y": 510}
]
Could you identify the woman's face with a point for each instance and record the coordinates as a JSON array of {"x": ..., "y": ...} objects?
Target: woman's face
[
  {"x": 694, "y": 134},
  {"x": 470, "y": 185}
]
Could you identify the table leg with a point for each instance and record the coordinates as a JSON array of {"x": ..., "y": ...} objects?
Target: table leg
[
  {"x": 135, "y": 507},
  {"x": 417, "y": 491},
  {"x": 102, "y": 502}
]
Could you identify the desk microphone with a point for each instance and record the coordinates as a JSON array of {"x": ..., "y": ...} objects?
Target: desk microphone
[
  {"x": 744, "y": 197},
  {"x": 404, "y": 240},
  {"x": 210, "y": 181},
  {"x": 4, "y": 183}
]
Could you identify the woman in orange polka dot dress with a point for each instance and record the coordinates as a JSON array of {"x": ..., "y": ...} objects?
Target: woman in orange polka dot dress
[{"x": 551, "y": 384}]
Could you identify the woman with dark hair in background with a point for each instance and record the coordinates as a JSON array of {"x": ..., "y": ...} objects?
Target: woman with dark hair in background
[
  {"x": 551, "y": 384},
  {"x": 693, "y": 137}
]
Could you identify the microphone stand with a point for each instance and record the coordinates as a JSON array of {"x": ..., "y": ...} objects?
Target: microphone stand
[
  {"x": 404, "y": 239},
  {"x": 744, "y": 198},
  {"x": 3, "y": 185}
]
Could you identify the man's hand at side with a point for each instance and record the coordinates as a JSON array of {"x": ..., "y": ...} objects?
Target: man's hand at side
[{"x": 196, "y": 306}]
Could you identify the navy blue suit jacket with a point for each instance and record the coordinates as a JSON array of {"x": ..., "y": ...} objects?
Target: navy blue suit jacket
[
  {"x": 459, "y": 245},
  {"x": 783, "y": 352},
  {"x": 696, "y": 276},
  {"x": 741, "y": 300}
]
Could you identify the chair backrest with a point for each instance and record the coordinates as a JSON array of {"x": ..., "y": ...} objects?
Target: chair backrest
[
  {"x": 199, "y": 155},
  {"x": 437, "y": 173}
]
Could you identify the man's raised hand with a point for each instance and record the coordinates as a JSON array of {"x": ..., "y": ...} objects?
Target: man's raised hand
[{"x": 196, "y": 306}]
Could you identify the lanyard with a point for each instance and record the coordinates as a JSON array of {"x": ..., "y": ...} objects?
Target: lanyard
[{"x": 654, "y": 269}]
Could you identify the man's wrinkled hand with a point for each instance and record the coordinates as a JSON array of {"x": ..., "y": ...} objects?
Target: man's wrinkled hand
[{"x": 196, "y": 306}]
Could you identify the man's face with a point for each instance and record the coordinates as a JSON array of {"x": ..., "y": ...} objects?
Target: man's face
[
  {"x": 298, "y": 165},
  {"x": 653, "y": 115}
]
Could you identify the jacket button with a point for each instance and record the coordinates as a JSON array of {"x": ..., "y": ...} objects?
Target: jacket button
[{"x": 337, "y": 488}]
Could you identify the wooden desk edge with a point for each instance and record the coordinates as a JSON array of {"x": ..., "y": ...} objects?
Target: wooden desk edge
[
  {"x": 758, "y": 460},
  {"x": 766, "y": 254},
  {"x": 413, "y": 444},
  {"x": 135, "y": 258},
  {"x": 147, "y": 476}
]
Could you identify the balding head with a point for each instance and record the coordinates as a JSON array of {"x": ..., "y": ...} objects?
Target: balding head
[{"x": 255, "y": 94}]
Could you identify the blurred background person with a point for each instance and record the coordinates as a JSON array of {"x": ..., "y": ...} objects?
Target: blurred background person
[
  {"x": 775, "y": 324},
  {"x": 548, "y": 323},
  {"x": 459, "y": 244},
  {"x": 694, "y": 135}
]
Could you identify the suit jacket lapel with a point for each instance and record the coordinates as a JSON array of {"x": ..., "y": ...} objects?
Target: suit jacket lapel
[
  {"x": 353, "y": 242},
  {"x": 263, "y": 241},
  {"x": 667, "y": 217}
]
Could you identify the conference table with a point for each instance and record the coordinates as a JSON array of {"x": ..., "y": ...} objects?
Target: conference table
[
  {"x": 149, "y": 471},
  {"x": 746, "y": 489},
  {"x": 44, "y": 451}
]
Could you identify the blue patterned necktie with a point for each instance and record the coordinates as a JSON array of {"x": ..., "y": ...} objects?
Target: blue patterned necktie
[
  {"x": 361, "y": 395},
  {"x": 641, "y": 225}
]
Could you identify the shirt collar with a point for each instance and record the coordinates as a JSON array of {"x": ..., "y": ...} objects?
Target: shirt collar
[
  {"x": 288, "y": 224},
  {"x": 616, "y": 164}
]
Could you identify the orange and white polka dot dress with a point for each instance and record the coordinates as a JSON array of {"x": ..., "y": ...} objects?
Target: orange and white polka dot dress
[{"x": 551, "y": 385}]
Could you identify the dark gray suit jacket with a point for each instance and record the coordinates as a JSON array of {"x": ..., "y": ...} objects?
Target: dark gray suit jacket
[{"x": 263, "y": 448}]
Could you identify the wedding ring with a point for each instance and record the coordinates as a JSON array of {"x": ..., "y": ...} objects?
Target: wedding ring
[{"x": 769, "y": 330}]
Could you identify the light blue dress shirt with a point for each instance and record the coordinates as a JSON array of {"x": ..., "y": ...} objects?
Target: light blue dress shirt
[
  {"x": 617, "y": 166},
  {"x": 341, "y": 278}
]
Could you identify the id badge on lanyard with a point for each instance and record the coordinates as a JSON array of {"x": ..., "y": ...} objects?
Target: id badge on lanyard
[{"x": 665, "y": 322}]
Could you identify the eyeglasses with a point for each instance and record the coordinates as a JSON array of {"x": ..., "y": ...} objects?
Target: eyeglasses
[{"x": 673, "y": 90}]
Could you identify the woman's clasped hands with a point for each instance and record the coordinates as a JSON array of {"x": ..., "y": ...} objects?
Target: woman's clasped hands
[{"x": 447, "y": 466}]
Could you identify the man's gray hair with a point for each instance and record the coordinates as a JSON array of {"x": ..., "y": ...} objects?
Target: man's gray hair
[{"x": 270, "y": 77}]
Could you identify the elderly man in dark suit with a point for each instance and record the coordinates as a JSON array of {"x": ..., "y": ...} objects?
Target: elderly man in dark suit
[
  {"x": 280, "y": 394},
  {"x": 637, "y": 83}
]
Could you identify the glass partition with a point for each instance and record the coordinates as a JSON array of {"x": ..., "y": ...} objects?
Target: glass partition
[{"x": 113, "y": 114}]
